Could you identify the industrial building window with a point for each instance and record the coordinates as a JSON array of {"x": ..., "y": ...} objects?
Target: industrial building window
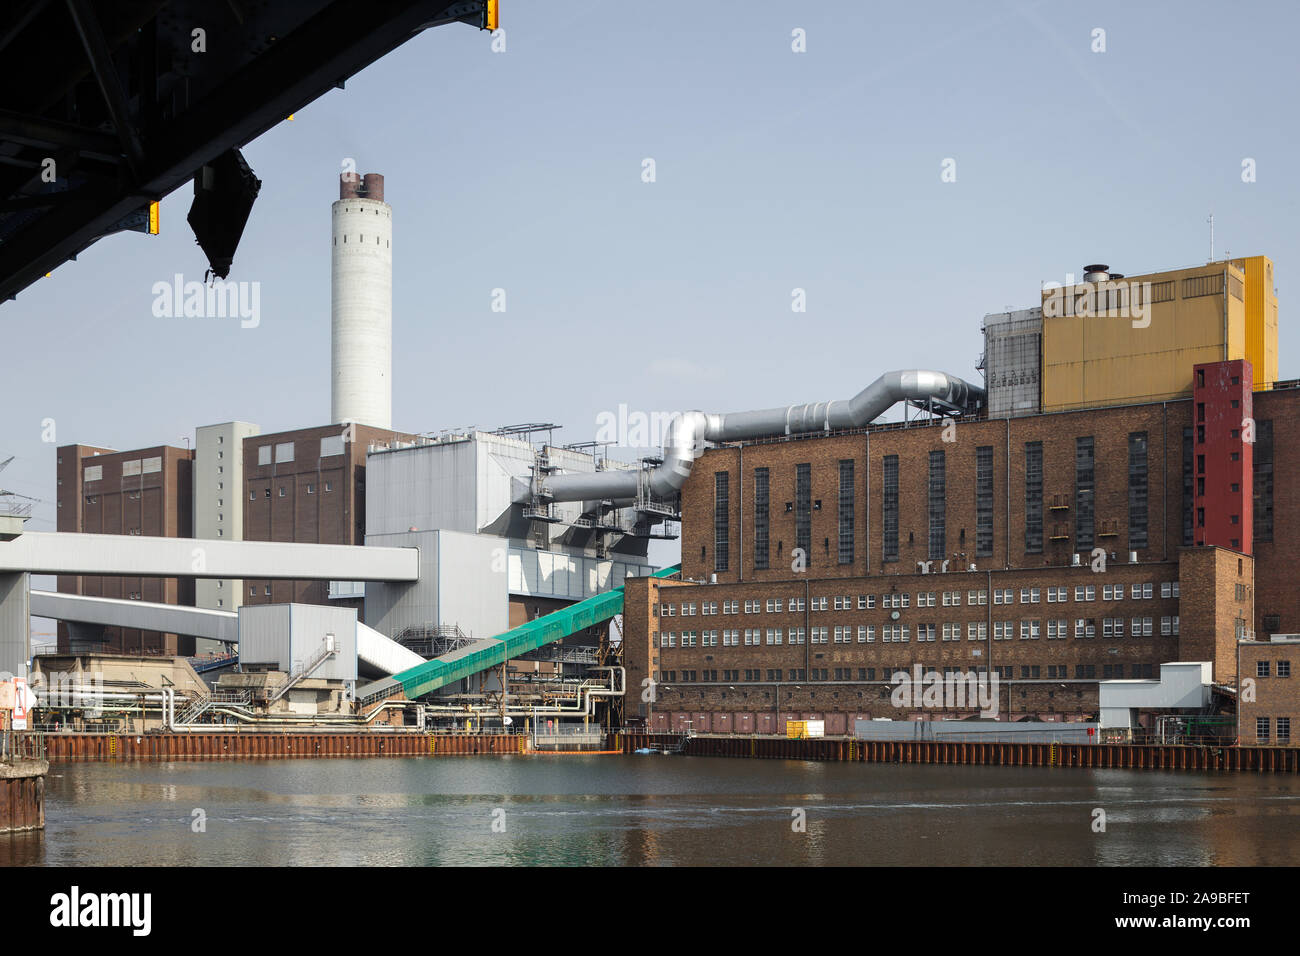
[
  {"x": 264, "y": 455},
  {"x": 721, "y": 520},
  {"x": 984, "y": 501},
  {"x": 1203, "y": 285},
  {"x": 761, "y": 513},
  {"x": 1263, "y": 493},
  {"x": 889, "y": 504},
  {"x": 937, "y": 500},
  {"x": 846, "y": 511},
  {"x": 1162, "y": 291},
  {"x": 1033, "y": 497},
  {"x": 1187, "y": 487},
  {"x": 1137, "y": 490},
  {"x": 803, "y": 509},
  {"x": 1083, "y": 500}
]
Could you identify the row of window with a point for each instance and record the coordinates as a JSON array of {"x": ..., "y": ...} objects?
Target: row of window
[
  {"x": 1082, "y": 501},
  {"x": 1262, "y": 730},
  {"x": 1027, "y": 630},
  {"x": 854, "y": 674},
  {"x": 311, "y": 490},
  {"x": 1263, "y": 668},
  {"x": 868, "y": 602}
]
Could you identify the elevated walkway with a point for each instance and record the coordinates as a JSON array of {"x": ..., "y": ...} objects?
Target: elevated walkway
[
  {"x": 114, "y": 555},
  {"x": 373, "y": 649}
]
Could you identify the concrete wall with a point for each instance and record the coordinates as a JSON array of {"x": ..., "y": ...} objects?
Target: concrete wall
[
  {"x": 362, "y": 312},
  {"x": 462, "y": 582},
  {"x": 219, "y": 506},
  {"x": 15, "y": 623}
]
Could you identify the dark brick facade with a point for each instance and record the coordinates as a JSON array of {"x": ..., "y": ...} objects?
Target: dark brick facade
[
  {"x": 1135, "y": 466},
  {"x": 311, "y": 499},
  {"x": 1271, "y": 703},
  {"x": 148, "y": 491}
]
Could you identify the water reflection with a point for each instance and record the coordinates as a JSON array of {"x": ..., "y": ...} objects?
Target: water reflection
[{"x": 640, "y": 811}]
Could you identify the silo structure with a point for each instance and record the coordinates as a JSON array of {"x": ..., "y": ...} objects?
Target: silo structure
[{"x": 361, "y": 353}]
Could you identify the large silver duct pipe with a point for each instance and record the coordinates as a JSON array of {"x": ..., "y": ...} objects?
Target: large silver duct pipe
[{"x": 688, "y": 432}]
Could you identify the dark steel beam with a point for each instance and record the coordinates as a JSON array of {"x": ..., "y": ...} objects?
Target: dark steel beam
[
  {"x": 44, "y": 133},
  {"x": 20, "y": 24},
  {"x": 337, "y": 43},
  {"x": 110, "y": 84}
]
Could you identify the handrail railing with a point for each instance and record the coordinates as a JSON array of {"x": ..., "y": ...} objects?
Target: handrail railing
[{"x": 18, "y": 745}]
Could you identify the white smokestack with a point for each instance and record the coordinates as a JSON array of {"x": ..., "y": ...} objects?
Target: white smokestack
[{"x": 361, "y": 353}]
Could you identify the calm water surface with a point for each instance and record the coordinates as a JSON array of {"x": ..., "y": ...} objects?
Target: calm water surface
[{"x": 654, "y": 810}]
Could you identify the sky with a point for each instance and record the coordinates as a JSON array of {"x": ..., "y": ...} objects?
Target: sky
[{"x": 524, "y": 169}]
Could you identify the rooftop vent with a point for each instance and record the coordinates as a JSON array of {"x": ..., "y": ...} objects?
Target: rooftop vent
[{"x": 1096, "y": 273}]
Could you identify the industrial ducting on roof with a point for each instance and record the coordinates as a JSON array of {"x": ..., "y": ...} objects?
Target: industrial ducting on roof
[{"x": 688, "y": 432}]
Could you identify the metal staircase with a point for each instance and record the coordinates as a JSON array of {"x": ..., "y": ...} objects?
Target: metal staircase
[
  {"x": 327, "y": 650},
  {"x": 200, "y": 704}
]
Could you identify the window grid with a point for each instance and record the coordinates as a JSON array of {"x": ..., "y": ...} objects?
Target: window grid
[
  {"x": 937, "y": 498},
  {"x": 761, "y": 513},
  {"x": 889, "y": 505}
]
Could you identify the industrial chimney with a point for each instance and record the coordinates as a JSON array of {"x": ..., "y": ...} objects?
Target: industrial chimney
[{"x": 361, "y": 328}]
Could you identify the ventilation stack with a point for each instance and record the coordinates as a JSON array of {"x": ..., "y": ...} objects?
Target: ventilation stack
[{"x": 361, "y": 328}]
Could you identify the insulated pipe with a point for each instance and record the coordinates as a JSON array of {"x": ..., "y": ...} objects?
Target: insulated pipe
[{"x": 688, "y": 431}]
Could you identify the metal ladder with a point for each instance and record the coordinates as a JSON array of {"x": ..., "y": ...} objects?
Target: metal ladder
[{"x": 327, "y": 650}]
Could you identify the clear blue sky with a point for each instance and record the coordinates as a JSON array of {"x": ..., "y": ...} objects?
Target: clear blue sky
[{"x": 522, "y": 170}]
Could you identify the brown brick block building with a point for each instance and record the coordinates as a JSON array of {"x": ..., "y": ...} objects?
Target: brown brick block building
[
  {"x": 1055, "y": 550},
  {"x": 307, "y": 486},
  {"x": 148, "y": 491},
  {"x": 1271, "y": 705}
]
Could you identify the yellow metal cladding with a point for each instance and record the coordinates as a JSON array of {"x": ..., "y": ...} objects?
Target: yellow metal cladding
[
  {"x": 1261, "y": 318},
  {"x": 1157, "y": 326}
]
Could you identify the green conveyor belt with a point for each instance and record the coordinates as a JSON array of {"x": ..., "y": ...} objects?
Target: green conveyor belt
[{"x": 440, "y": 671}]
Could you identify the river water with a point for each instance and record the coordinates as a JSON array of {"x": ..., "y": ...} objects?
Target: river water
[{"x": 651, "y": 810}]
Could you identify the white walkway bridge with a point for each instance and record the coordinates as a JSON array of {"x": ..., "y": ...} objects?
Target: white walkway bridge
[{"x": 138, "y": 556}]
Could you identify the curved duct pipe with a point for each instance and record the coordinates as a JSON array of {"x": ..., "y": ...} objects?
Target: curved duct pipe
[{"x": 688, "y": 432}]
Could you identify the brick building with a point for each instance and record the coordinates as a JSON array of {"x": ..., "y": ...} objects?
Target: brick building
[
  {"x": 1051, "y": 549},
  {"x": 144, "y": 492},
  {"x": 307, "y": 486},
  {"x": 1270, "y": 707}
]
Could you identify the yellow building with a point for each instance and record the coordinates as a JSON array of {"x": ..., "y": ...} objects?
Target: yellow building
[{"x": 1114, "y": 340}]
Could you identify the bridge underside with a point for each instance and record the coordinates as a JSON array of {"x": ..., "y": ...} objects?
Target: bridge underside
[{"x": 106, "y": 107}]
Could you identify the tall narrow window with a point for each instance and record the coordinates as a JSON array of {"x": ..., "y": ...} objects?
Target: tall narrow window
[
  {"x": 1137, "y": 490},
  {"x": 1263, "y": 490},
  {"x": 803, "y": 510},
  {"x": 721, "y": 520},
  {"x": 761, "y": 513},
  {"x": 937, "y": 499},
  {"x": 846, "y": 511},
  {"x": 1033, "y": 497},
  {"x": 1188, "y": 488},
  {"x": 1083, "y": 499},
  {"x": 984, "y": 501},
  {"x": 889, "y": 501}
]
